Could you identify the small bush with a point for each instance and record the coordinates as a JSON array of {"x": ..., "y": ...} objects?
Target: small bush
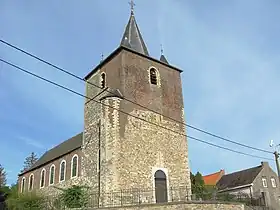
[
  {"x": 75, "y": 197},
  {"x": 25, "y": 201}
]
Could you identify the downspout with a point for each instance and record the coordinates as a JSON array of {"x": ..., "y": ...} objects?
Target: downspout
[{"x": 99, "y": 161}]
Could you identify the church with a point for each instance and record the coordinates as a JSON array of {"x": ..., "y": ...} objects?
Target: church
[{"x": 133, "y": 137}]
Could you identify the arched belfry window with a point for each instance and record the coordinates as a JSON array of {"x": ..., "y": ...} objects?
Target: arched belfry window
[
  {"x": 103, "y": 80},
  {"x": 160, "y": 187},
  {"x": 153, "y": 76}
]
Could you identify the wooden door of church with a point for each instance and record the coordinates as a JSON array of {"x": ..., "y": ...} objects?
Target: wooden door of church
[{"x": 160, "y": 187}]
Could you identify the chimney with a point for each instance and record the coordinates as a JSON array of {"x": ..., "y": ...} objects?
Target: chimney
[{"x": 264, "y": 164}]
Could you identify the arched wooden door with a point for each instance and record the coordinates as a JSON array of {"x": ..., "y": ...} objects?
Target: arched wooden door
[{"x": 160, "y": 187}]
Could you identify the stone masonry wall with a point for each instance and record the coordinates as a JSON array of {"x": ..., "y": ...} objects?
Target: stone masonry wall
[
  {"x": 94, "y": 141},
  {"x": 145, "y": 148},
  {"x": 132, "y": 150},
  {"x": 184, "y": 206},
  {"x": 90, "y": 147},
  {"x": 110, "y": 147}
]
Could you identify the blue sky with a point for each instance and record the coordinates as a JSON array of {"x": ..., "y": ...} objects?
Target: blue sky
[{"x": 229, "y": 51}]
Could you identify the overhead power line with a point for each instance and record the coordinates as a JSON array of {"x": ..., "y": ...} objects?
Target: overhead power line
[
  {"x": 133, "y": 102},
  {"x": 79, "y": 94}
]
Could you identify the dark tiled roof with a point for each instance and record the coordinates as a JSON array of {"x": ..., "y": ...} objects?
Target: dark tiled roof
[
  {"x": 132, "y": 37},
  {"x": 163, "y": 59},
  {"x": 238, "y": 178},
  {"x": 62, "y": 149}
]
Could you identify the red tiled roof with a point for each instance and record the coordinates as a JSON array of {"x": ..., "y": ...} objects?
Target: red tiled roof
[{"x": 212, "y": 179}]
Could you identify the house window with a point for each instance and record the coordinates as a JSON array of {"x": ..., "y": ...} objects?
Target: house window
[
  {"x": 273, "y": 182},
  {"x": 264, "y": 182},
  {"x": 103, "y": 80},
  {"x": 22, "y": 184},
  {"x": 62, "y": 171},
  {"x": 74, "y": 166},
  {"x": 153, "y": 76},
  {"x": 31, "y": 180},
  {"x": 43, "y": 175},
  {"x": 52, "y": 174}
]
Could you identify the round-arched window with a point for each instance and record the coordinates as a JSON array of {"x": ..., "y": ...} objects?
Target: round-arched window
[{"x": 153, "y": 76}]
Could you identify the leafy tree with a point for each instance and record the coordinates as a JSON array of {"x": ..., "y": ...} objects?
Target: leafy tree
[
  {"x": 29, "y": 161},
  {"x": 3, "y": 176},
  {"x": 198, "y": 186}
]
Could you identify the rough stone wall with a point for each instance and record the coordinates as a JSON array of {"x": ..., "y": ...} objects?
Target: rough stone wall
[
  {"x": 110, "y": 147},
  {"x": 184, "y": 206},
  {"x": 146, "y": 147},
  {"x": 47, "y": 189},
  {"x": 92, "y": 116},
  {"x": 131, "y": 149},
  {"x": 95, "y": 113}
]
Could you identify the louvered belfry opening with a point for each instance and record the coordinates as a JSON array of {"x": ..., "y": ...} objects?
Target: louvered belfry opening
[
  {"x": 153, "y": 76},
  {"x": 103, "y": 80}
]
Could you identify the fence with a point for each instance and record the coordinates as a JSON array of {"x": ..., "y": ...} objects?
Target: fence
[{"x": 135, "y": 197}]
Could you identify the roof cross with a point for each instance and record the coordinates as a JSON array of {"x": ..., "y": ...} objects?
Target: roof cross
[{"x": 131, "y": 3}]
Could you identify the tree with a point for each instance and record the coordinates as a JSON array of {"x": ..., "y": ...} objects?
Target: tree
[
  {"x": 3, "y": 178},
  {"x": 29, "y": 161},
  {"x": 198, "y": 186}
]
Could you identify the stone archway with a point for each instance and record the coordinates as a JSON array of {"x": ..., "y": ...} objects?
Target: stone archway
[{"x": 160, "y": 187}]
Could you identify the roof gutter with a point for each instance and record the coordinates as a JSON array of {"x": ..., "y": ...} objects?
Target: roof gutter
[{"x": 235, "y": 188}]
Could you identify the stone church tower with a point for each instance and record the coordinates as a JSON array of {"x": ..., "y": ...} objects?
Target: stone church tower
[{"x": 125, "y": 145}]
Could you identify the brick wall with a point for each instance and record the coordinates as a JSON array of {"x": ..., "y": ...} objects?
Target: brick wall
[{"x": 47, "y": 188}]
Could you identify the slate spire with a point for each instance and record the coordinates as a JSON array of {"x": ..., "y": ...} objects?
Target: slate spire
[{"x": 132, "y": 37}]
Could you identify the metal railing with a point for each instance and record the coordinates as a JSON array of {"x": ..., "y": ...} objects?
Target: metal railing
[{"x": 132, "y": 197}]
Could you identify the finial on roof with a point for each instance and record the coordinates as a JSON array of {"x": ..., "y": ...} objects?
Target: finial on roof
[
  {"x": 162, "y": 57},
  {"x": 132, "y": 7},
  {"x": 161, "y": 50},
  {"x": 102, "y": 57}
]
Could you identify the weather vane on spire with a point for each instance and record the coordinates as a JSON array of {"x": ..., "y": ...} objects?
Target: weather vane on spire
[{"x": 132, "y": 6}]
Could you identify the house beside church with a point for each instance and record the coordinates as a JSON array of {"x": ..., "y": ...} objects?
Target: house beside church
[
  {"x": 133, "y": 135},
  {"x": 260, "y": 183}
]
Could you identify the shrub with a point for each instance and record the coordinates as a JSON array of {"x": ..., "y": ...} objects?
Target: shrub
[
  {"x": 25, "y": 201},
  {"x": 75, "y": 197}
]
